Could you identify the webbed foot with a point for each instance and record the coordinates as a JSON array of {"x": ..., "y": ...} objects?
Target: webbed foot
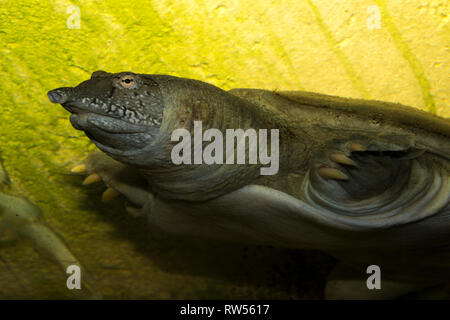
[
  {"x": 19, "y": 218},
  {"x": 358, "y": 168},
  {"x": 120, "y": 180}
]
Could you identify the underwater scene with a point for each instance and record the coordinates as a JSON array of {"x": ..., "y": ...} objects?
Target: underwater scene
[{"x": 281, "y": 150}]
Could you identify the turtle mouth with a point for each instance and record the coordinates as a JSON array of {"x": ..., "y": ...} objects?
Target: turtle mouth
[
  {"x": 83, "y": 118},
  {"x": 113, "y": 128},
  {"x": 108, "y": 132}
]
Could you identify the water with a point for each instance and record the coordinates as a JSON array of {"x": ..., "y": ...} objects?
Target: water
[{"x": 302, "y": 46}]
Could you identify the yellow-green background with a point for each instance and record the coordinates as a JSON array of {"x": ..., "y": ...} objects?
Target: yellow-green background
[{"x": 313, "y": 45}]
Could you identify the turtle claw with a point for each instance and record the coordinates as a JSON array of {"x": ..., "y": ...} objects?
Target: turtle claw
[
  {"x": 355, "y": 146},
  {"x": 341, "y": 158},
  {"x": 79, "y": 169},
  {"x": 332, "y": 173},
  {"x": 110, "y": 194},
  {"x": 92, "y": 178},
  {"x": 335, "y": 164}
]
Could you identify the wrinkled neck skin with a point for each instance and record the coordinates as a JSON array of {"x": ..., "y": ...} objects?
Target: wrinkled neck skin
[
  {"x": 186, "y": 101},
  {"x": 135, "y": 125}
]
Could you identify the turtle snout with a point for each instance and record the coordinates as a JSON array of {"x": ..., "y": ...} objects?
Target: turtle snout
[{"x": 59, "y": 95}]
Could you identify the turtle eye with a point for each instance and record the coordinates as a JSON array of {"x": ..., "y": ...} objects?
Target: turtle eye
[{"x": 128, "y": 81}]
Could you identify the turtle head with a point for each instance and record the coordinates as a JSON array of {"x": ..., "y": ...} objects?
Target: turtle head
[
  {"x": 119, "y": 112},
  {"x": 133, "y": 117}
]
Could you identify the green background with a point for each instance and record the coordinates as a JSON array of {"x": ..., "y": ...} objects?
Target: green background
[{"x": 386, "y": 50}]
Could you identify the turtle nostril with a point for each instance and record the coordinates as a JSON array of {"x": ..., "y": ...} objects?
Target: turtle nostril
[{"x": 56, "y": 97}]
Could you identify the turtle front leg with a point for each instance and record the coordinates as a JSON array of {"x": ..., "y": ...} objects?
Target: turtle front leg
[
  {"x": 19, "y": 218},
  {"x": 119, "y": 179},
  {"x": 360, "y": 167}
]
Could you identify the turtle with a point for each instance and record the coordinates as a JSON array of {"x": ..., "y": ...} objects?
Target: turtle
[
  {"x": 22, "y": 220},
  {"x": 364, "y": 181}
]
